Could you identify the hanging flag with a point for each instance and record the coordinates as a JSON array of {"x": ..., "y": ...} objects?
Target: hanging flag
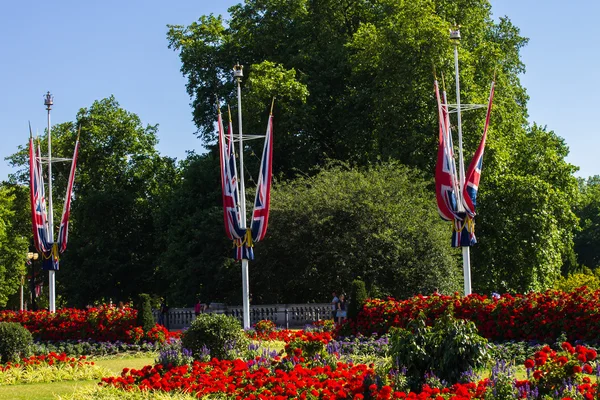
[
  {"x": 473, "y": 175},
  {"x": 38, "y": 289},
  {"x": 38, "y": 200},
  {"x": 229, "y": 184},
  {"x": 63, "y": 232},
  {"x": 262, "y": 201},
  {"x": 446, "y": 183},
  {"x": 242, "y": 240}
]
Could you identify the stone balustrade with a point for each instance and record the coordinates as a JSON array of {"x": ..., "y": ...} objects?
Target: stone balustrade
[{"x": 283, "y": 315}]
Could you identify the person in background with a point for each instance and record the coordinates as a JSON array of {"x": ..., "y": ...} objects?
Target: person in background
[
  {"x": 197, "y": 308},
  {"x": 334, "y": 306},
  {"x": 341, "y": 311}
]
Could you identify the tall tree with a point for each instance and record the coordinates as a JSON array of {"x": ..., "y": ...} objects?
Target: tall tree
[
  {"x": 120, "y": 183},
  {"x": 366, "y": 66},
  {"x": 13, "y": 239}
]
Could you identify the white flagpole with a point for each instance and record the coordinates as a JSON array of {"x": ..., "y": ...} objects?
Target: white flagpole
[
  {"x": 48, "y": 102},
  {"x": 238, "y": 74},
  {"x": 455, "y": 35}
]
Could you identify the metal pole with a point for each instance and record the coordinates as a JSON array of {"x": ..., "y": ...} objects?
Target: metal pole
[
  {"x": 21, "y": 305},
  {"x": 51, "y": 277},
  {"x": 465, "y": 250},
  {"x": 237, "y": 73}
]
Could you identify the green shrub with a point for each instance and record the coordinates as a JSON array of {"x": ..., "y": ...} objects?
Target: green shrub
[
  {"x": 221, "y": 334},
  {"x": 144, "y": 312},
  {"x": 14, "y": 341},
  {"x": 448, "y": 348},
  {"x": 574, "y": 281},
  {"x": 358, "y": 296},
  {"x": 309, "y": 348}
]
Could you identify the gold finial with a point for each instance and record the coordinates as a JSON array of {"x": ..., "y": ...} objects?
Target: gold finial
[
  {"x": 272, "y": 104},
  {"x": 78, "y": 132},
  {"x": 229, "y": 111},
  {"x": 218, "y": 105}
]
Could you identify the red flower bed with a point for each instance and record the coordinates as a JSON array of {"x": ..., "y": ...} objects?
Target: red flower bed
[
  {"x": 104, "y": 323},
  {"x": 286, "y": 335},
  {"x": 532, "y": 316},
  {"x": 47, "y": 359}
]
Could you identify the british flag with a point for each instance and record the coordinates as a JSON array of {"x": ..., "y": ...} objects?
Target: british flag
[
  {"x": 473, "y": 175},
  {"x": 39, "y": 220},
  {"x": 446, "y": 184},
  {"x": 229, "y": 184},
  {"x": 262, "y": 201},
  {"x": 63, "y": 232}
]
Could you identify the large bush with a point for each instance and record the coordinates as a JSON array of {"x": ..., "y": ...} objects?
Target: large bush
[
  {"x": 448, "y": 348},
  {"x": 14, "y": 341},
  {"x": 219, "y": 334}
]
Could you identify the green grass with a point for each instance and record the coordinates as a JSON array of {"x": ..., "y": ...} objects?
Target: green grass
[{"x": 44, "y": 391}]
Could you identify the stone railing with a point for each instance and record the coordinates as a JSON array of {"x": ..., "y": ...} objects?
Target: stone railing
[{"x": 283, "y": 315}]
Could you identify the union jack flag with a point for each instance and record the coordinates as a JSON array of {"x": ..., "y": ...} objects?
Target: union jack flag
[
  {"x": 63, "y": 232},
  {"x": 41, "y": 237},
  {"x": 262, "y": 201},
  {"x": 229, "y": 184},
  {"x": 473, "y": 175},
  {"x": 446, "y": 183}
]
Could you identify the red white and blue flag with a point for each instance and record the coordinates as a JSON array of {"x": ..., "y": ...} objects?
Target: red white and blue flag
[
  {"x": 446, "y": 182},
  {"x": 262, "y": 201},
  {"x": 242, "y": 240},
  {"x": 63, "y": 232},
  {"x": 39, "y": 218},
  {"x": 473, "y": 175},
  {"x": 229, "y": 184}
]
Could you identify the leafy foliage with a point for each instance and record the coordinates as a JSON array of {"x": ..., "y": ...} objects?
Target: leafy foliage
[
  {"x": 221, "y": 334},
  {"x": 448, "y": 348},
  {"x": 378, "y": 223},
  {"x": 144, "y": 317},
  {"x": 358, "y": 295},
  {"x": 13, "y": 243},
  {"x": 14, "y": 341}
]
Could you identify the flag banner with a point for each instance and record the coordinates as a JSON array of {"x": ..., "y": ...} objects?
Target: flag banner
[
  {"x": 38, "y": 201},
  {"x": 446, "y": 183},
  {"x": 38, "y": 289},
  {"x": 473, "y": 175},
  {"x": 262, "y": 201},
  {"x": 50, "y": 259},
  {"x": 243, "y": 248},
  {"x": 63, "y": 232},
  {"x": 242, "y": 240},
  {"x": 463, "y": 231},
  {"x": 229, "y": 184}
]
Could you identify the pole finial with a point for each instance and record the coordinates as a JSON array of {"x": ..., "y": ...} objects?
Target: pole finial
[
  {"x": 229, "y": 112},
  {"x": 30, "y": 131},
  {"x": 238, "y": 71},
  {"x": 272, "y": 105},
  {"x": 78, "y": 132},
  {"x": 48, "y": 101},
  {"x": 218, "y": 105}
]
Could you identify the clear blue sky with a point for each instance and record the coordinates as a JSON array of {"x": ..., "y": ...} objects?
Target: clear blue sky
[{"x": 82, "y": 51}]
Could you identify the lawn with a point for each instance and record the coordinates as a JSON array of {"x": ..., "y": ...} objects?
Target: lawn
[{"x": 49, "y": 391}]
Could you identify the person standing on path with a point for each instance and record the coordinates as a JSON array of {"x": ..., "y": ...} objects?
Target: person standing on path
[
  {"x": 334, "y": 306},
  {"x": 341, "y": 311}
]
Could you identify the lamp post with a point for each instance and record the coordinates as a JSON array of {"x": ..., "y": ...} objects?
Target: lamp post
[
  {"x": 31, "y": 257},
  {"x": 49, "y": 102},
  {"x": 238, "y": 74}
]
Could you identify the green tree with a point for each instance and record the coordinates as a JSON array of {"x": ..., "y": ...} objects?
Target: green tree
[
  {"x": 379, "y": 223},
  {"x": 13, "y": 242},
  {"x": 367, "y": 69},
  {"x": 119, "y": 186},
  {"x": 588, "y": 210}
]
